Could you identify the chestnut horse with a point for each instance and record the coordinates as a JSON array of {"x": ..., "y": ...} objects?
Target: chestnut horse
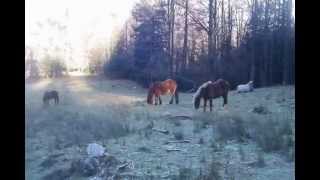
[
  {"x": 166, "y": 87},
  {"x": 50, "y": 95},
  {"x": 211, "y": 90}
]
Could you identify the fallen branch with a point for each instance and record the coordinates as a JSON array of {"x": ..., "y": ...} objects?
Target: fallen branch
[
  {"x": 169, "y": 150},
  {"x": 183, "y": 117},
  {"x": 121, "y": 167},
  {"x": 248, "y": 162},
  {"x": 161, "y": 131},
  {"x": 181, "y": 141}
]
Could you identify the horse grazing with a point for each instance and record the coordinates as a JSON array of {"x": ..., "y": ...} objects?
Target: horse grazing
[
  {"x": 245, "y": 87},
  {"x": 166, "y": 87},
  {"x": 48, "y": 95},
  {"x": 211, "y": 90}
]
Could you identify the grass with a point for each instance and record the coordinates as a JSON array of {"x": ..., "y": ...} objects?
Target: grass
[
  {"x": 241, "y": 153},
  {"x": 201, "y": 141},
  {"x": 231, "y": 127},
  {"x": 144, "y": 149},
  {"x": 79, "y": 127},
  {"x": 260, "y": 159},
  {"x": 274, "y": 134},
  {"x": 76, "y": 124}
]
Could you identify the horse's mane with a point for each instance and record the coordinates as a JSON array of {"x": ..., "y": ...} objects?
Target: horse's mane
[{"x": 197, "y": 93}]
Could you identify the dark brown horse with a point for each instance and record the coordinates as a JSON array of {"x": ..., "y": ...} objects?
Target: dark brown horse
[
  {"x": 211, "y": 90},
  {"x": 48, "y": 95},
  {"x": 166, "y": 87}
]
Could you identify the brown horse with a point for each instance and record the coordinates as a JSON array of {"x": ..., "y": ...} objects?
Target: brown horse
[
  {"x": 166, "y": 87},
  {"x": 48, "y": 95},
  {"x": 211, "y": 90}
]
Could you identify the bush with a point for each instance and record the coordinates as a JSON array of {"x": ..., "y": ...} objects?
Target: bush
[
  {"x": 178, "y": 135},
  {"x": 119, "y": 66}
]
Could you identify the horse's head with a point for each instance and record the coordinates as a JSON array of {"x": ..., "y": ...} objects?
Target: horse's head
[
  {"x": 197, "y": 102},
  {"x": 197, "y": 97},
  {"x": 250, "y": 84}
]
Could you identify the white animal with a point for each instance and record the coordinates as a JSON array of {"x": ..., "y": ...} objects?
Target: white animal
[{"x": 245, "y": 87}]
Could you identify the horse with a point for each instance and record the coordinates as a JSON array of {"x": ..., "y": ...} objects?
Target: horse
[
  {"x": 166, "y": 87},
  {"x": 211, "y": 90},
  {"x": 48, "y": 95},
  {"x": 245, "y": 87}
]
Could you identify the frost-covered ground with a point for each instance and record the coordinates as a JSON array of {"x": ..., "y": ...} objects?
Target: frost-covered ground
[{"x": 114, "y": 113}]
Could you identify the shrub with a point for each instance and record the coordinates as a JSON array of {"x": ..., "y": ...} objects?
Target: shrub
[
  {"x": 178, "y": 135},
  {"x": 274, "y": 134},
  {"x": 119, "y": 66}
]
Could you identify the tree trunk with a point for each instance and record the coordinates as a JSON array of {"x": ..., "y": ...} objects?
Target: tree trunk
[
  {"x": 169, "y": 40},
  {"x": 210, "y": 40},
  {"x": 172, "y": 12},
  {"x": 185, "y": 40}
]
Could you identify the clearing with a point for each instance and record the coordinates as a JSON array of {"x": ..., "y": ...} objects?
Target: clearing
[{"x": 227, "y": 143}]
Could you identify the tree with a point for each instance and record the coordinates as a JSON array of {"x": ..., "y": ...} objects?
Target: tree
[
  {"x": 31, "y": 65},
  {"x": 96, "y": 60},
  {"x": 53, "y": 66}
]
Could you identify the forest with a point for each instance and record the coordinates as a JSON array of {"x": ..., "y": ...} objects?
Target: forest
[
  {"x": 192, "y": 41},
  {"x": 206, "y": 40}
]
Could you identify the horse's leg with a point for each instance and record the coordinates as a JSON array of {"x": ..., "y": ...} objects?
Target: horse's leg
[
  {"x": 160, "y": 101},
  {"x": 210, "y": 105},
  {"x": 225, "y": 100},
  {"x": 156, "y": 100},
  {"x": 204, "y": 105},
  {"x": 177, "y": 97},
  {"x": 171, "y": 100}
]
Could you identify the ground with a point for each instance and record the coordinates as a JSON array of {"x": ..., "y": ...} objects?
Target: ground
[{"x": 114, "y": 113}]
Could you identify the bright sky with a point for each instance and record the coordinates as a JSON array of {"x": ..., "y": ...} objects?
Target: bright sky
[{"x": 97, "y": 17}]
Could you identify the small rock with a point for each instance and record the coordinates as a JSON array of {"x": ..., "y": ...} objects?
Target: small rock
[
  {"x": 85, "y": 167},
  {"x": 95, "y": 178},
  {"x": 260, "y": 110},
  {"x": 57, "y": 175},
  {"x": 95, "y": 150}
]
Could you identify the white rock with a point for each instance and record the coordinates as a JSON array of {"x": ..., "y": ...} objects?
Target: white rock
[
  {"x": 95, "y": 178},
  {"x": 95, "y": 150}
]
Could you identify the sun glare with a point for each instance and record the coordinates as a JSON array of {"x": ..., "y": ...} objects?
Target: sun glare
[{"x": 85, "y": 19}]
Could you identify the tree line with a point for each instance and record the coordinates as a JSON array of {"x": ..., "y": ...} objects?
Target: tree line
[{"x": 200, "y": 40}]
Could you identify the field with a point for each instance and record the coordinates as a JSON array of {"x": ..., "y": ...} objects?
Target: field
[{"x": 253, "y": 139}]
